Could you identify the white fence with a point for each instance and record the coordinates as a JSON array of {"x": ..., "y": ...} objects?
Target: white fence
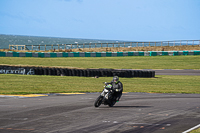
[{"x": 103, "y": 45}]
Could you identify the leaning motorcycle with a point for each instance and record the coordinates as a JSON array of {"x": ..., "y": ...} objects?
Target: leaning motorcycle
[{"x": 106, "y": 97}]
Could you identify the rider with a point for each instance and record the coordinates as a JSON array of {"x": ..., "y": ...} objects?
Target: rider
[{"x": 117, "y": 87}]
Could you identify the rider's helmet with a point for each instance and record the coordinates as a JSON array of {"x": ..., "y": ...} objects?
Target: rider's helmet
[{"x": 115, "y": 79}]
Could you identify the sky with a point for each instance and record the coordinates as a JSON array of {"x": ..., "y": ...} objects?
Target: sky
[{"x": 127, "y": 20}]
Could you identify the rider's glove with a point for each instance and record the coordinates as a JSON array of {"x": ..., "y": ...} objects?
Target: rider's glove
[{"x": 113, "y": 90}]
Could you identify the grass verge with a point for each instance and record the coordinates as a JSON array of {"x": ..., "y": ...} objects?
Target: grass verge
[
  {"x": 32, "y": 84},
  {"x": 196, "y": 131},
  {"x": 134, "y": 62}
]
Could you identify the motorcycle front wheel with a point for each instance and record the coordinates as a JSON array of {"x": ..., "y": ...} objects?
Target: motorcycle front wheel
[
  {"x": 98, "y": 101},
  {"x": 112, "y": 104}
]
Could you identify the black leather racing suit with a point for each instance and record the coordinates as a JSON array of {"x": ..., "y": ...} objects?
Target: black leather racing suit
[{"x": 117, "y": 89}]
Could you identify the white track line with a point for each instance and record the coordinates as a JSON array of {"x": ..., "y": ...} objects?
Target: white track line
[{"x": 191, "y": 129}]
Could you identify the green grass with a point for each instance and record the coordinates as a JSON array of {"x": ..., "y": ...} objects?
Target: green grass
[
  {"x": 27, "y": 84},
  {"x": 134, "y": 62},
  {"x": 23, "y": 84},
  {"x": 196, "y": 131}
]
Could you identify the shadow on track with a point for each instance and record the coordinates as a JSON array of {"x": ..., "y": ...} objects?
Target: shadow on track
[{"x": 132, "y": 106}]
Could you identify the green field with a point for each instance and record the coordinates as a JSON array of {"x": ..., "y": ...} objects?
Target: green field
[
  {"x": 196, "y": 131},
  {"x": 26, "y": 84},
  {"x": 134, "y": 62}
]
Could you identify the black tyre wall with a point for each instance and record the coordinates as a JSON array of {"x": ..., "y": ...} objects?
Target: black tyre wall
[{"x": 85, "y": 72}]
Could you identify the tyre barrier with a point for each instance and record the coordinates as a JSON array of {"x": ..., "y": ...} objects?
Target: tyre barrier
[
  {"x": 25, "y": 70},
  {"x": 76, "y": 72},
  {"x": 97, "y": 54}
]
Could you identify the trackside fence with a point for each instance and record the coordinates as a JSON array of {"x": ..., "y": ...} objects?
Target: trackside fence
[
  {"x": 65, "y": 47},
  {"x": 98, "y": 54}
]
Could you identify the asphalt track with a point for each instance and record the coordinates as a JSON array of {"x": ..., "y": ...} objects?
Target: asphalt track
[
  {"x": 65, "y": 113},
  {"x": 176, "y": 72}
]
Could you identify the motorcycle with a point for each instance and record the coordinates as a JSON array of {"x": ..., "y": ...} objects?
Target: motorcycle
[{"x": 106, "y": 97}]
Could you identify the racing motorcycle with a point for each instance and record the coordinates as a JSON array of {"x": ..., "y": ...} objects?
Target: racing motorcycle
[{"x": 106, "y": 97}]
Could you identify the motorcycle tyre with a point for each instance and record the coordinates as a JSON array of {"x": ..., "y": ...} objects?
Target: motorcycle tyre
[
  {"x": 98, "y": 101},
  {"x": 112, "y": 104}
]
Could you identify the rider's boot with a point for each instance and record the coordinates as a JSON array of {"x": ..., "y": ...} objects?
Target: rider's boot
[{"x": 117, "y": 99}]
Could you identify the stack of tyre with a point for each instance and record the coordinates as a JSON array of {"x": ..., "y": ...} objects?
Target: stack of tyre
[
  {"x": 83, "y": 72},
  {"x": 93, "y": 72}
]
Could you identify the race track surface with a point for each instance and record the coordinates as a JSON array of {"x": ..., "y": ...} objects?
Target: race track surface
[
  {"x": 177, "y": 72},
  {"x": 135, "y": 113}
]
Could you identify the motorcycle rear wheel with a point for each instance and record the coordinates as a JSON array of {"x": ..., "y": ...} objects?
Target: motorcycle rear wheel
[{"x": 98, "y": 101}]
